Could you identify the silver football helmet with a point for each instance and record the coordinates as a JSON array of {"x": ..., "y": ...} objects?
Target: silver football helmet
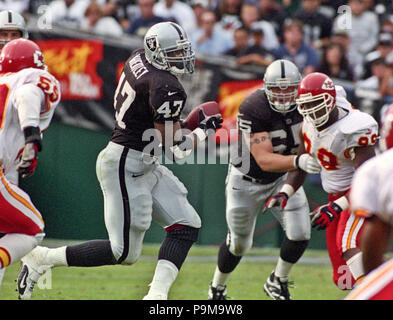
[
  {"x": 11, "y": 20},
  {"x": 281, "y": 80},
  {"x": 168, "y": 48}
]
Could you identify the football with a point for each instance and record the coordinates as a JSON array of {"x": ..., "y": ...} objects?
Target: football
[{"x": 209, "y": 108}]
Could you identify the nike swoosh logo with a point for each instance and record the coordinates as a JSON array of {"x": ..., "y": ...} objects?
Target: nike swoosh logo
[
  {"x": 171, "y": 93},
  {"x": 22, "y": 283},
  {"x": 137, "y": 175}
]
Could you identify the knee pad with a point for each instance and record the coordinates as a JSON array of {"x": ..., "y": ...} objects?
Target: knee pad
[
  {"x": 291, "y": 251},
  {"x": 239, "y": 245}
]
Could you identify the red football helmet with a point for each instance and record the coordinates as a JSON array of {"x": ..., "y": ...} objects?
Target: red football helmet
[
  {"x": 20, "y": 54},
  {"x": 386, "y": 141},
  {"x": 316, "y": 98}
]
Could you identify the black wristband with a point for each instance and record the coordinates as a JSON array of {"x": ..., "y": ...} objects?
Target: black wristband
[
  {"x": 297, "y": 162},
  {"x": 33, "y": 134}
]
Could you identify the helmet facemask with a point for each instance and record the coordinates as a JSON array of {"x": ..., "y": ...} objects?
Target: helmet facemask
[
  {"x": 179, "y": 59},
  {"x": 282, "y": 95},
  {"x": 316, "y": 108}
]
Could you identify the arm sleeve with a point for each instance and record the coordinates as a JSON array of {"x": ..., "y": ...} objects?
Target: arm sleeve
[{"x": 28, "y": 100}]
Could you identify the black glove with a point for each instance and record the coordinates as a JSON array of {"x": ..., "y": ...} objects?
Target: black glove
[
  {"x": 280, "y": 199},
  {"x": 28, "y": 160},
  {"x": 209, "y": 122},
  {"x": 324, "y": 215}
]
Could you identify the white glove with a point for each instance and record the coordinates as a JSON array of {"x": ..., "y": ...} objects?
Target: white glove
[{"x": 307, "y": 163}]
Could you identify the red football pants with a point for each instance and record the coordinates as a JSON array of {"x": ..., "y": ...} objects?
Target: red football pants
[{"x": 341, "y": 235}]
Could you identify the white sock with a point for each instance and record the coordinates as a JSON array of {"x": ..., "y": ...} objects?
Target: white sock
[
  {"x": 283, "y": 268},
  {"x": 2, "y": 271},
  {"x": 56, "y": 257},
  {"x": 14, "y": 246},
  {"x": 164, "y": 276},
  {"x": 220, "y": 278},
  {"x": 355, "y": 264}
]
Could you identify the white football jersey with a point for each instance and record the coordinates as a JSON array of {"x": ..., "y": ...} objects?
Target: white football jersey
[
  {"x": 333, "y": 146},
  {"x": 12, "y": 139},
  {"x": 372, "y": 187}
]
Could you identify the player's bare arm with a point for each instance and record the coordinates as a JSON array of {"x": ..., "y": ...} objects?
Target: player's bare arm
[
  {"x": 362, "y": 154},
  {"x": 375, "y": 231},
  {"x": 260, "y": 146}
]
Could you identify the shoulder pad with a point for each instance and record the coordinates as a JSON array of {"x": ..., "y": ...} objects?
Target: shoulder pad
[{"x": 358, "y": 121}]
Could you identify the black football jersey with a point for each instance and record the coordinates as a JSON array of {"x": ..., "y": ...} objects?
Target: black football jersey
[
  {"x": 256, "y": 115},
  {"x": 144, "y": 95}
]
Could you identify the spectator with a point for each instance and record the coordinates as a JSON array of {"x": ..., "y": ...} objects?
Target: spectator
[
  {"x": 19, "y": 6},
  {"x": 211, "y": 39},
  {"x": 316, "y": 26},
  {"x": 271, "y": 11},
  {"x": 177, "y": 10},
  {"x": 249, "y": 16},
  {"x": 96, "y": 22},
  {"x": 228, "y": 14},
  {"x": 387, "y": 23},
  {"x": 199, "y": 7},
  {"x": 383, "y": 50},
  {"x": 241, "y": 38},
  {"x": 295, "y": 50},
  {"x": 355, "y": 59},
  {"x": 376, "y": 90},
  {"x": 140, "y": 25},
  {"x": 335, "y": 64},
  {"x": 66, "y": 12},
  {"x": 362, "y": 28},
  {"x": 254, "y": 54}
]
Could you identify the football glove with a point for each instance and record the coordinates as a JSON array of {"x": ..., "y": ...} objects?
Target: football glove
[
  {"x": 209, "y": 122},
  {"x": 28, "y": 160},
  {"x": 307, "y": 163},
  {"x": 324, "y": 215},
  {"x": 280, "y": 199}
]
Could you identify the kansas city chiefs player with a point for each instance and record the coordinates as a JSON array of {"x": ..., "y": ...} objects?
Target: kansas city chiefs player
[
  {"x": 341, "y": 139},
  {"x": 28, "y": 98}
]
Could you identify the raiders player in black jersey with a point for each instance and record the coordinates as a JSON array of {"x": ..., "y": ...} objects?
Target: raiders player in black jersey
[
  {"x": 136, "y": 187},
  {"x": 268, "y": 124}
]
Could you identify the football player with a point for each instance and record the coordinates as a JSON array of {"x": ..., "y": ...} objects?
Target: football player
[
  {"x": 341, "y": 139},
  {"x": 28, "y": 98},
  {"x": 372, "y": 198},
  {"x": 136, "y": 187},
  {"x": 268, "y": 124},
  {"x": 12, "y": 26}
]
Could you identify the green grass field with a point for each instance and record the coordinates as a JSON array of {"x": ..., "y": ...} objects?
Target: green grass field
[{"x": 312, "y": 282}]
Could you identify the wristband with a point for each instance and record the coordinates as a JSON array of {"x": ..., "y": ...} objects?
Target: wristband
[
  {"x": 200, "y": 133},
  {"x": 296, "y": 162},
  {"x": 33, "y": 134},
  {"x": 342, "y": 202},
  {"x": 288, "y": 190}
]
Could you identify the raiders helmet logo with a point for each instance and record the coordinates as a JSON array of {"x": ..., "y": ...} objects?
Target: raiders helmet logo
[
  {"x": 151, "y": 43},
  {"x": 328, "y": 84}
]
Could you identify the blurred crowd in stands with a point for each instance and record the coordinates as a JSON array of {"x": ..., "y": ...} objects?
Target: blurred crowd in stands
[{"x": 351, "y": 41}]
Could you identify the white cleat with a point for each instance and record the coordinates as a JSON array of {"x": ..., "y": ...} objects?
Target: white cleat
[
  {"x": 30, "y": 271},
  {"x": 155, "y": 296}
]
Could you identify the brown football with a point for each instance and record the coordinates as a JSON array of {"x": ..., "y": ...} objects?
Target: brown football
[{"x": 209, "y": 108}]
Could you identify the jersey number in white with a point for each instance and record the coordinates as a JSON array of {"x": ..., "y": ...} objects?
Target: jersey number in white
[
  {"x": 166, "y": 110},
  {"x": 124, "y": 96}
]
